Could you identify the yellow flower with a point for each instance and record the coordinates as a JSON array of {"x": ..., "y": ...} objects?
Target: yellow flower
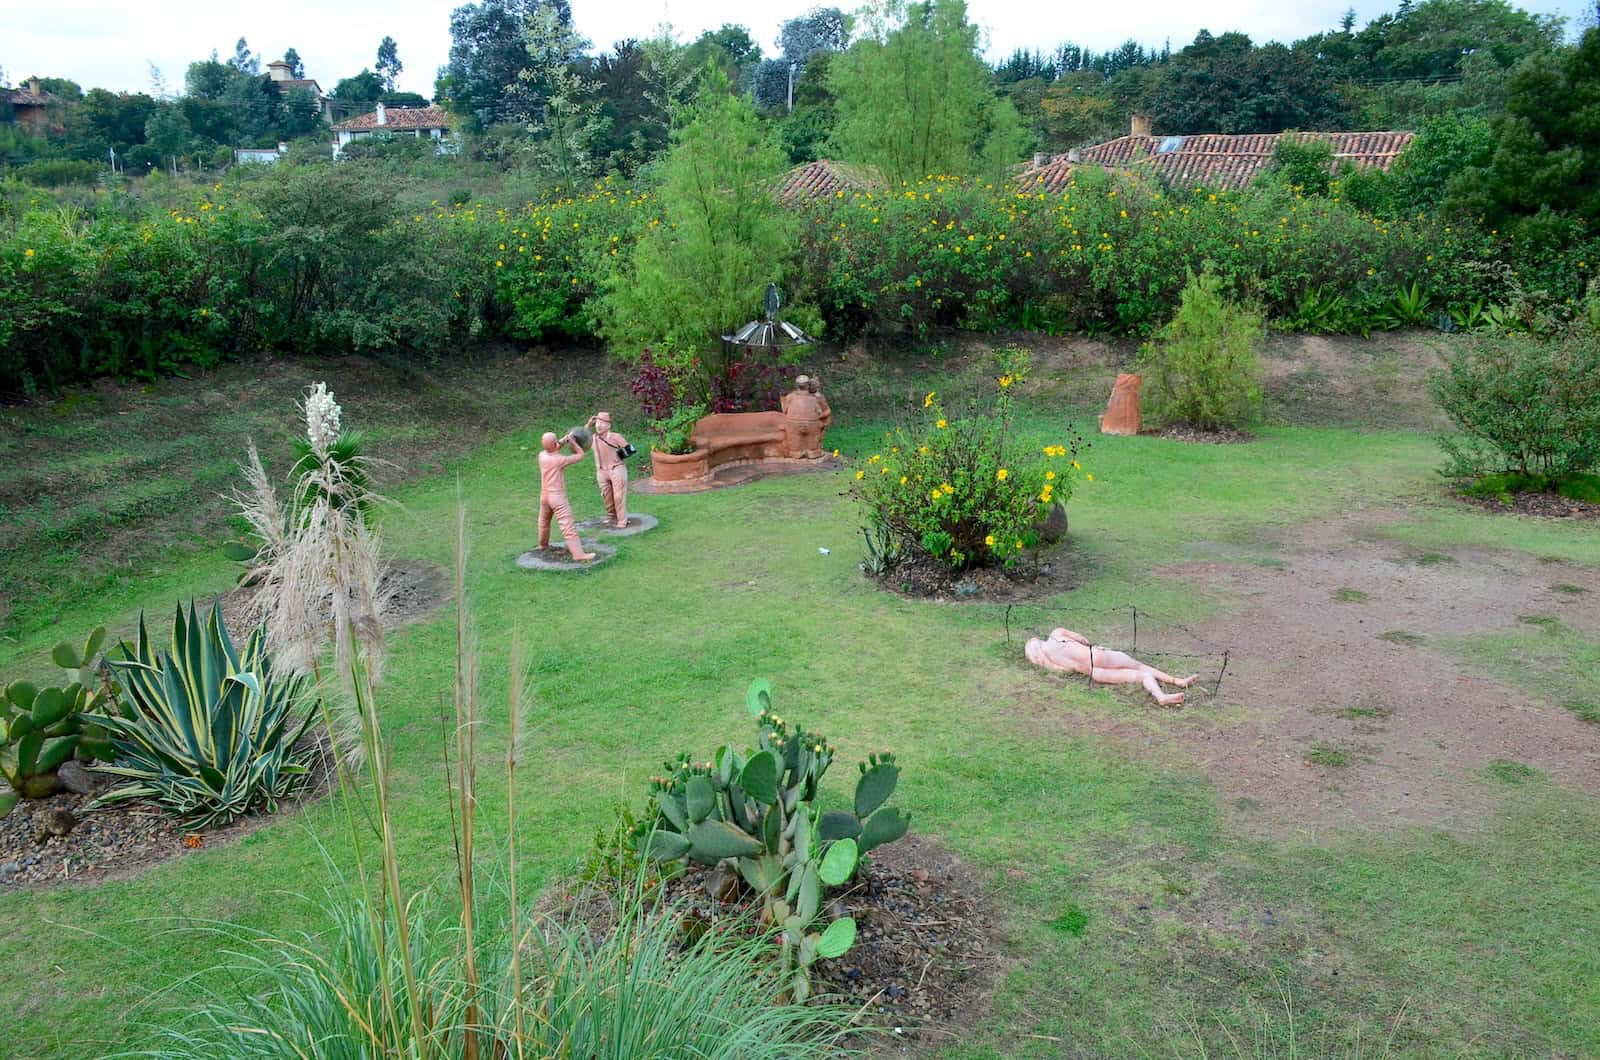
[
  {"x": 875, "y": 458},
  {"x": 1019, "y": 546},
  {"x": 989, "y": 540},
  {"x": 884, "y": 470},
  {"x": 940, "y": 424},
  {"x": 1077, "y": 466},
  {"x": 903, "y": 480},
  {"x": 1049, "y": 476},
  {"x": 923, "y": 450},
  {"x": 499, "y": 264},
  {"x": 1090, "y": 477},
  {"x": 28, "y": 253},
  {"x": 935, "y": 494},
  {"x": 1371, "y": 271},
  {"x": 1006, "y": 380},
  {"x": 836, "y": 452},
  {"x": 1002, "y": 475},
  {"x": 860, "y": 475},
  {"x": 1045, "y": 496},
  {"x": 927, "y": 402}
]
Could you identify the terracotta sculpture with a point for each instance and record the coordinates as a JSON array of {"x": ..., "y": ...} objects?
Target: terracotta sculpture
[
  {"x": 1069, "y": 652},
  {"x": 1122, "y": 411},
  {"x": 802, "y": 415},
  {"x": 610, "y": 469},
  {"x": 825, "y": 414},
  {"x": 553, "y": 493}
]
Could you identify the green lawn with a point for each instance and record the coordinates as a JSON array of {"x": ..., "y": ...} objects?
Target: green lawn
[{"x": 1137, "y": 919}]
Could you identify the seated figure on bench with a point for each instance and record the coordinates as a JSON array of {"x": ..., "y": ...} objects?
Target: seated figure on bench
[{"x": 1070, "y": 652}]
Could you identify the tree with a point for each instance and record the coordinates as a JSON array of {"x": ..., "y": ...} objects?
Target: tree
[
  {"x": 365, "y": 87},
  {"x": 302, "y": 114},
  {"x": 820, "y": 32},
  {"x": 487, "y": 54},
  {"x": 1547, "y": 144},
  {"x": 1227, "y": 85},
  {"x": 805, "y": 131},
  {"x": 243, "y": 61},
  {"x": 297, "y": 68},
  {"x": 168, "y": 134},
  {"x": 208, "y": 79},
  {"x": 61, "y": 88},
  {"x": 388, "y": 65},
  {"x": 721, "y": 241},
  {"x": 732, "y": 49},
  {"x": 913, "y": 92},
  {"x": 635, "y": 131},
  {"x": 560, "y": 110}
]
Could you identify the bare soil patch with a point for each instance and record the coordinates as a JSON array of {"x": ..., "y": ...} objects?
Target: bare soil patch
[
  {"x": 115, "y": 842},
  {"x": 415, "y": 591},
  {"x": 1182, "y": 432},
  {"x": 926, "y": 955},
  {"x": 1342, "y": 703},
  {"x": 1033, "y": 577},
  {"x": 1339, "y": 707}
]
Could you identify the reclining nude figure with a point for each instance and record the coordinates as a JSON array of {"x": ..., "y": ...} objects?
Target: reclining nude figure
[{"x": 1069, "y": 652}]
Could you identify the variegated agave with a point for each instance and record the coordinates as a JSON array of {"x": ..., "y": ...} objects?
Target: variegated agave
[{"x": 207, "y": 730}]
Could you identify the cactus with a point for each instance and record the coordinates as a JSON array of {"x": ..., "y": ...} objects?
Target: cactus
[
  {"x": 871, "y": 823},
  {"x": 41, "y": 728},
  {"x": 756, "y": 810}
]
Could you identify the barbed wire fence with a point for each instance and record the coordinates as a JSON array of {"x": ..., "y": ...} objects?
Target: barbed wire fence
[{"x": 1130, "y": 618}]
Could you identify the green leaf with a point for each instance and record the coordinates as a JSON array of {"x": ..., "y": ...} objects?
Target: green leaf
[
  {"x": 837, "y": 939},
  {"x": 8, "y": 801},
  {"x": 672, "y": 809},
  {"x": 837, "y": 824},
  {"x": 885, "y": 826},
  {"x": 758, "y": 696},
  {"x": 91, "y": 647},
  {"x": 875, "y": 787},
  {"x": 63, "y": 656},
  {"x": 238, "y": 551},
  {"x": 701, "y": 797},
  {"x": 715, "y": 840},
  {"x": 50, "y": 706},
  {"x": 772, "y": 829},
  {"x": 55, "y": 752},
  {"x": 759, "y": 778},
  {"x": 839, "y": 863},
  {"x": 809, "y": 899},
  {"x": 28, "y": 752},
  {"x": 667, "y": 846},
  {"x": 21, "y": 693}
]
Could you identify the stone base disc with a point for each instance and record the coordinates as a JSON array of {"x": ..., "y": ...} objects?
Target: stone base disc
[
  {"x": 738, "y": 473},
  {"x": 557, "y": 558},
  {"x": 638, "y": 523}
]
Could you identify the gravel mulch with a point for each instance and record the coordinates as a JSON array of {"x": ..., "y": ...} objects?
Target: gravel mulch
[
  {"x": 1032, "y": 577},
  {"x": 1181, "y": 432},
  {"x": 1547, "y": 505}
]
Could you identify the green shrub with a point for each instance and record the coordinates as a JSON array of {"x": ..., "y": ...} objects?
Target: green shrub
[
  {"x": 964, "y": 490},
  {"x": 757, "y": 811},
  {"x": 209, "y": 733},
  {"x": 1201, "y": 369},
  {"x": 42, "y": 728},
  {"x": 1522, "y": 404}
]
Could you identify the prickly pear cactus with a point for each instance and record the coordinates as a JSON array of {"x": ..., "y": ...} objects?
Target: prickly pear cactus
[{"x": 41, "y": 728}]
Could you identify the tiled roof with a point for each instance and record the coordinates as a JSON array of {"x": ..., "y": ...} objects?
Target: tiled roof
[
  {"x": 21, "y": 97},
  {"x": 400, "y": 118},
  {"x": 823, "y": 179},
  {"x": 1212, "y": 159}
]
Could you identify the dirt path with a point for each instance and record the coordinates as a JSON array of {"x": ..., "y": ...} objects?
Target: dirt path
[{"x": 1339, "y": 707}]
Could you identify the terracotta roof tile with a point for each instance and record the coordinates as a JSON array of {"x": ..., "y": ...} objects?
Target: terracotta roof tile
[
  {"x": 1210, "y": 158},
  {"x": 823, "y": 179},
  {"x": 21, "y": 97},
  {"x": 399, "y": 119}
]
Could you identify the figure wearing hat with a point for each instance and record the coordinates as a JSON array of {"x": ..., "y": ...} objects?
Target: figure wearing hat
[{"x": 611, "y": 469}]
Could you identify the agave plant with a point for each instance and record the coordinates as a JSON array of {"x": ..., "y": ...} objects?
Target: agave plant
[{"x": 209, "y": 731}]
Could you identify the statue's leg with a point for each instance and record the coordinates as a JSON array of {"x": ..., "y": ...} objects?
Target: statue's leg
[
  {"x": 569, "y": 531},
  {"x": 619, "y": 494},
  {"x": 544, "y": 523},
  {"x": 1128, "y": 676},
  {"x": 607, "y": 497}
]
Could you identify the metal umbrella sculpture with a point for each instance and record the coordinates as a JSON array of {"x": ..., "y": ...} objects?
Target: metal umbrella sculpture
[{"x": 767, "y": 335}]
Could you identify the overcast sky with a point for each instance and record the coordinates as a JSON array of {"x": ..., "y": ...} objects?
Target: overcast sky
[{"x": 111, "y": 45}]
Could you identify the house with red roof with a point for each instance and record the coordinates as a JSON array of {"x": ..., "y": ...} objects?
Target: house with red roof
[
  {"x": 430, "y": 122},
  {"x": 1213, "y": 159},
  {"x": 31, "y": 105}
]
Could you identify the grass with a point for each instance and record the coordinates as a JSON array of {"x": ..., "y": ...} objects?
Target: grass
[
  {"x": 1329, "y": 757},
  {"x": 1136, "y": 921},
  {"x": 1549, "y": 660},
  {"x": 1346, "y": 595},
  {"x": 1400, "y": 636}
]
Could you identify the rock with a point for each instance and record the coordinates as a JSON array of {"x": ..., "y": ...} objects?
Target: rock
[
  {"x": 75, "y": 778},
  {"x": 1052, "y": 529},
  {"x": 1122, "y": 410},
  {"x": 9, "y": 869},
  {"x": 55, "y": 822},
  {"x": 966, "y": 588},
  {"x": 723, "y": 883}
]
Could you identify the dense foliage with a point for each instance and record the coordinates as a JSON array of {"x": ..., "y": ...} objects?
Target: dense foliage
[
  {"x": 1523, "y": 404},
  {"x": 963, "y": 489}
]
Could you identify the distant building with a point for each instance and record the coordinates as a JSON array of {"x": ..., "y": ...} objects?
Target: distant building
[
  {"x": 430, "y": 122},
  {"x": 259, "y": 155},
  {"x": 1212, "y": 159},
  {"x": 824, "y": 179},
  {"x": 31, "y": 105},
  {"x": 282, "y": 74}
]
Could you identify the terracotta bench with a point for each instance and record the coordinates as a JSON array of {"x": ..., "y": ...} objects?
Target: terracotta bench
[{"x": 725, "y": 438}]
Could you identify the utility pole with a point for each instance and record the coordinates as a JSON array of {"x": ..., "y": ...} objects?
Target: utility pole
[{"x": 792, "y": 68}]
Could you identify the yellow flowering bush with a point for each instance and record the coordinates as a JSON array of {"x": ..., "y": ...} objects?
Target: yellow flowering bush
[{"x": 963, "y": 489}]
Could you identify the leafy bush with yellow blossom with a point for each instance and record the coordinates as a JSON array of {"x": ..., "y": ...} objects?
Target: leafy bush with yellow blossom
[{"x": 964, "y": 489}]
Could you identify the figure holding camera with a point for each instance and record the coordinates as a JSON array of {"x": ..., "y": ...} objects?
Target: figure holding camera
[
  {"x": 553, "y": 503},
  {"x": 611, "y": 452}
]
